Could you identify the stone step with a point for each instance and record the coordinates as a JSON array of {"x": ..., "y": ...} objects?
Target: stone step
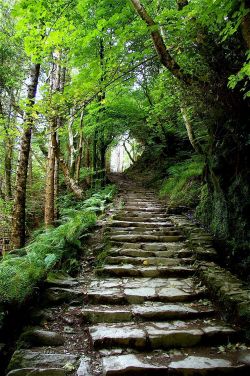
[
  {"x": 148, "y": 311},
  {"x": 161, "y": 335},
  {"x": 139, "y": 290},
  {"x": 141, "y": 253},
  {"x": 145, "y": 238},
  {"x": 117, "y": 260},
  {"x": 130, "y": 270},
  {"x": 125, "y": 224},
  {"x": 191, "y": 364},
  {"x": 152, "y": 247},
  {"x": 141, "y": 217},
  {"x": 142, "y": 231},
  {"x": 57, "y": 295},
  {"x": 145, "y": 208},
  {"x": 33, "y": 362}
]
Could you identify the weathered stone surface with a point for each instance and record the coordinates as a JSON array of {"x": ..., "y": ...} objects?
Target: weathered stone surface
[
  {"x": 145, "y": 271},
  {"x": 145, "y": 238},
  {"x": 114, "y": 335},
  {"x": 195, "y": 365},
  {"x": 37, "y": 372},
  {"x": 38, "y": 316},
  {"x": 139, "y": 224},
  {"x": 160, "y": 311},
  {"x": 114, "y": 260},
  {"x": 61, "y": 280},
  {"x": 84, "y": 367},
  {"x": 122, "y": 290},
  {"x": 57, "y": 295},
  {"x": 39, "y": 337},
  {"x": 33, "y": 359},
  {"x": 104, "y": 314},
  {"x": 245, "y": 358},
  {"x": 130, "y": 365},
  {"x": 160, "y": 335}
]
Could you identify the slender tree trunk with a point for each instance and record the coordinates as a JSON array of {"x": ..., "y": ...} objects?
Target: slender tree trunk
[
  {"x": 94, "y": 156},
  {"x": 69, "y": 181},
  {"x": 191, "y": 136},
  {"x": 18, "y": 219},
  {"x": 8, "y": 168},
  {"x": 56, "y": 188},
  {"x": 79, "y": 151},
  {"x": 128, "y": 153},
  {"x": 49, "y": 208}
]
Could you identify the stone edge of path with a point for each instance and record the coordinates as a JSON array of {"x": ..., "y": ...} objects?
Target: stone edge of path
[{"x": 228, "y": 290}]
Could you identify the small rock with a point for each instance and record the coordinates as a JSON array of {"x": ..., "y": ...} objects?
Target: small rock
[
  {"x": 68, "y": 330},
  {"x": 84, "y": 368}
]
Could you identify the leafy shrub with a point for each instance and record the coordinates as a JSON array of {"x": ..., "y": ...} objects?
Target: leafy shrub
[{"x": 19, "y": 275}]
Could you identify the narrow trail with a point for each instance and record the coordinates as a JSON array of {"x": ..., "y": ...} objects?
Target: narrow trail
[{"x": 144, "y": 312}]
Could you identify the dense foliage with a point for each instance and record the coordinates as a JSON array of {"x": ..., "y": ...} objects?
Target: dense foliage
[
  {"x": 54, "y": 248},
  {"x": 171, "y": 74}
]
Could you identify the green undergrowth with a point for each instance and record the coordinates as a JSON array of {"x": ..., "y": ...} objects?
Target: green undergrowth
[
  {"x": 183, "y": 184},
  {"x": 22, "y": 270}
]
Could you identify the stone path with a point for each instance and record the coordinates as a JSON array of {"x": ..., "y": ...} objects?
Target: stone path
[{"x": 143, "y": 312}]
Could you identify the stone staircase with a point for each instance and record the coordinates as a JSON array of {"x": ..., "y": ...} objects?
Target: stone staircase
[{"x": 145, "y": 312}]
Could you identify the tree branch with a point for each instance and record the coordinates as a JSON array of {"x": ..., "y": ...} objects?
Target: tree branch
[{"x": 164, "y": 55}]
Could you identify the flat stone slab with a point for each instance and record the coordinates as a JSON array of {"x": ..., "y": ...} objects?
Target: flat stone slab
[
  {"x": 157, "y": 335},
  {"x": 154, "y": 247},
  {"x": 145, "y": 224},
  {"x": 130, "y": 365},
  {"x": 145, "y": 238},
  {"x": 97, "y": 314},
  {"x": 147, "y": 311},
  {"x": 60, "y": 280},
  {"x": 145, "y": 271},
  {"x": 145, "y": 254},
  {"x": 124, "y": 335},
  {"x": 38, "y": 372},
  {"x": 161, "y": 261},
  {"x": 57, "y": 295},
  {"x": 132, "y": 290},
  {"x": 160, "y": 311},
  {"x": 40, "y": 337},
  {"x": 197, "y": 365},
  {"x": 164, "y": 364},
  {"x": 34, "y": 359}
]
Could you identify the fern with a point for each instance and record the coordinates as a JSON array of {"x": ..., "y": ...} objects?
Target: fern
[
  {"x": 19, "y": 275},
  {"x": 183, "y": 184}
]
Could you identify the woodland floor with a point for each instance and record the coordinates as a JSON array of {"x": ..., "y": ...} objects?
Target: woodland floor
[{"x": 142, "y": 312}]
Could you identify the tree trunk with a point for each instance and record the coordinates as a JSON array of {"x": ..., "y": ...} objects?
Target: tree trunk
[
  {"x": 245, "y": 26},
  {"x": 49, "y": 208},
  {"x": 79, "y": 151},
  {"x": 18, "y": 219},
  {"x": 56, "y": 189},
  {"x": 127, "y": 151},
  {"x": 8, "y": 167},
  {"x": 164, "y": 55},
  {"x": 191, "y": 136},
  {"x": 69, "y": 181}
]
